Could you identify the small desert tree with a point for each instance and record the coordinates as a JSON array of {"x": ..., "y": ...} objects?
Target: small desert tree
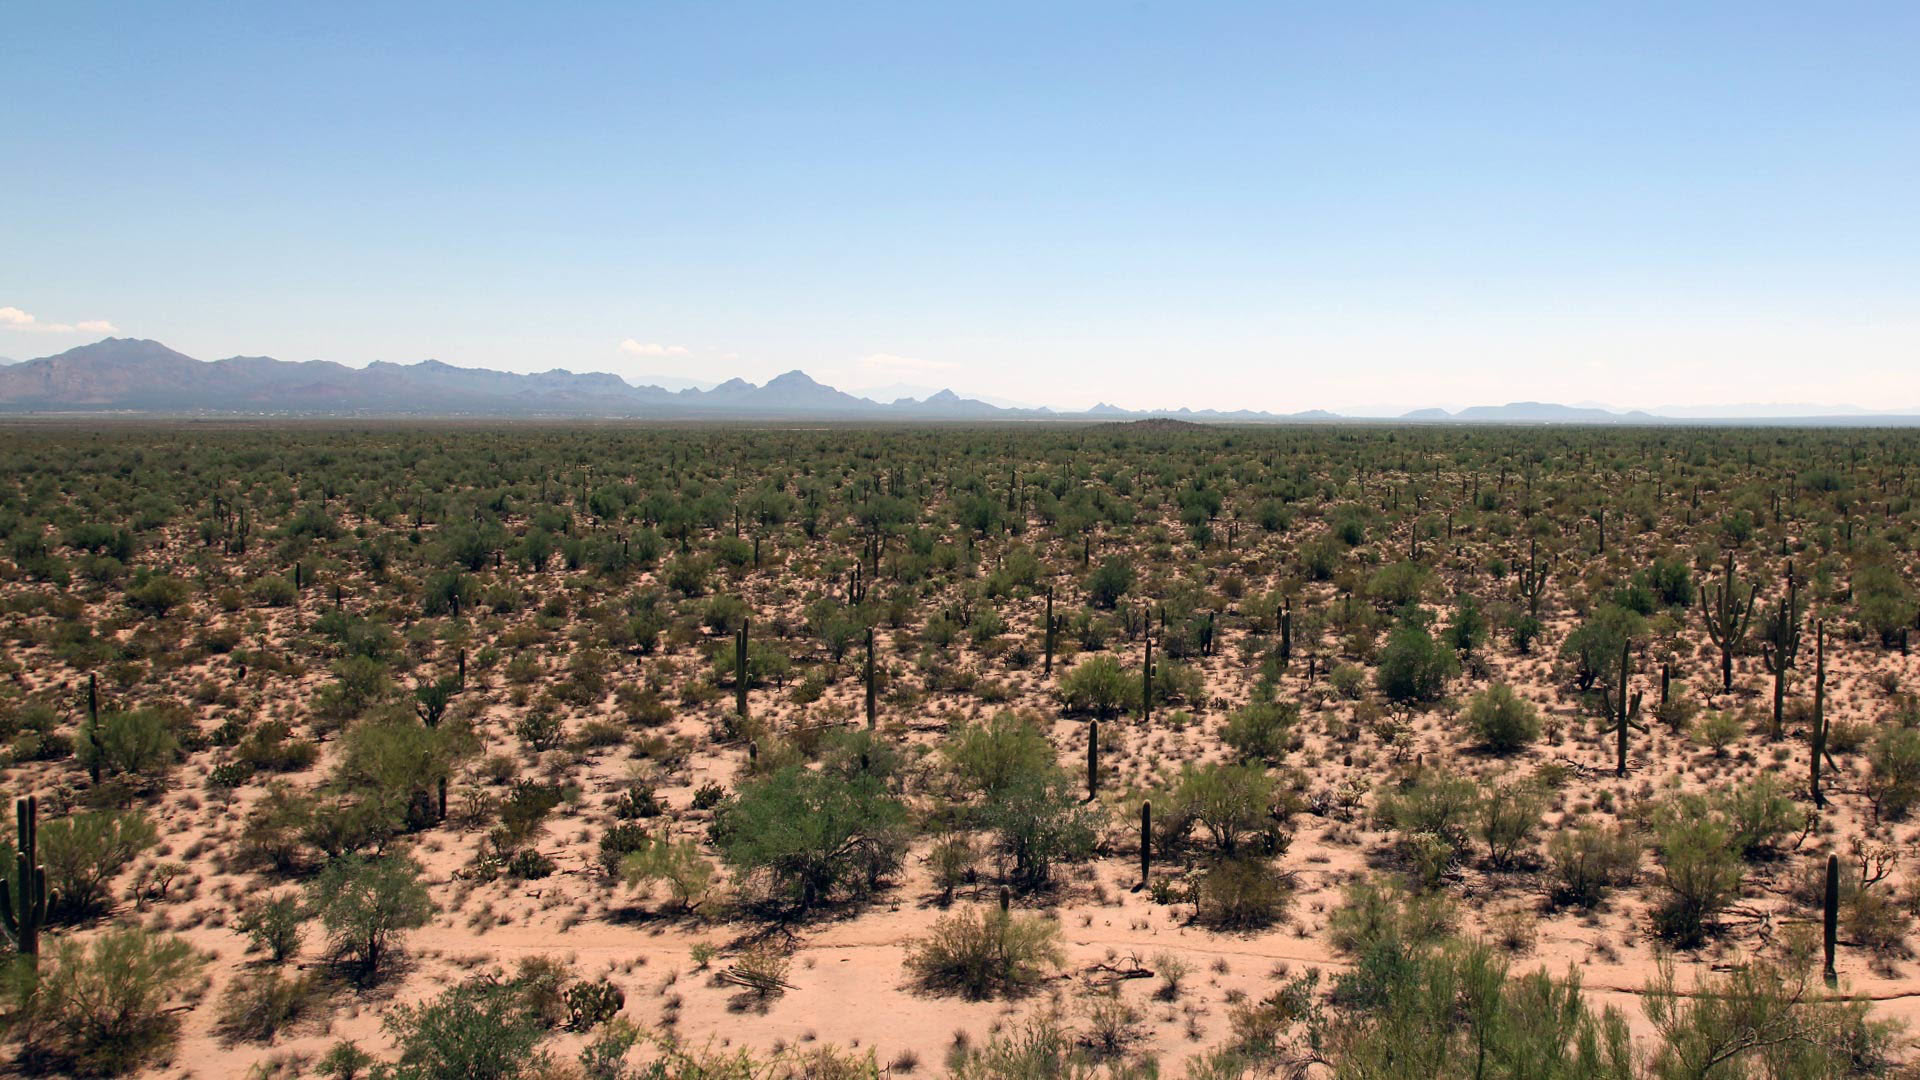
[
  {"x": 810, "y": 833},
  {"x": 1098, "y": 685},
  {"x": 366, "y": 903},
  {"x": 1504, "y": 721},
  {"x": 1413, "y": 666},
  {"x": 102, "y": 1003},
  {"x": 83, "y": 853}
]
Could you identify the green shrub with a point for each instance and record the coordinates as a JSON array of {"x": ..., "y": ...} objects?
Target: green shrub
[
  {"x": 1701, "y": 871},
  {"x": 1893, "y": 782},
  {"x": 1719, "y": 730},
  {"x": 1378, "y": 910},
  {"x": 365, "y": 904},
  {"x": 273, "y": 924},
  {"x": 1761, "y": 814},
  {"x": 157, "y": 594},
  {"x": 1588, "y": 860},
  {"x": 676, "y": 862},
  {"x": 1099, "y": 685},
  {"x": 988, "y": 758},
  {"x": 257, "y": 1006},
  {"x": 1398, "y": 584},
  {"x": 811, "y": 834},
  {"x": 1762, "y": 1019},
  {"x": 1438, "y": 803},
  {"x": 1509, "y": 815},
  {"x": 83, "y": 853},
  {"x": 1233, "y": 804},
  {"x": 1413, "y": 666},
  {"x": 1106, "y": 585},
  {"x": 983, "y": 951},
  {"x": 475, "y": 1031},
  {"x": 1503, "y": 720},
  {"x": 101, "y": 1002},
  {"x": 1348, "y": 680},
  {"x": 1262, "y": 731},
  {"x": 1039, "y": 820},
  {"x": 1241, "y": 893},
  {"x": 140, "y": 742}
]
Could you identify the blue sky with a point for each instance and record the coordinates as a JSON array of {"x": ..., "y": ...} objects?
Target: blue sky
[{"x": 1274, "y": 206}]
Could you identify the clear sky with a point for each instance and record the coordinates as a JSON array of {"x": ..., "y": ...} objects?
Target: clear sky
[{"x": 1273, "y": 206}]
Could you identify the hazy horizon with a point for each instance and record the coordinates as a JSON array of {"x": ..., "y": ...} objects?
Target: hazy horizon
[{"x": 1157, "y": 206}]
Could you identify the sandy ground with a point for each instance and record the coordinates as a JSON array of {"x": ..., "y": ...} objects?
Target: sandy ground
[{"x": 849, "y": 985}]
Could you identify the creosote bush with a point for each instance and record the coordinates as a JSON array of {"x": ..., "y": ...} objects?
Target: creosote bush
[
  {"x": 982, "y": 951},
  {"x": 1503, "y": 720}
]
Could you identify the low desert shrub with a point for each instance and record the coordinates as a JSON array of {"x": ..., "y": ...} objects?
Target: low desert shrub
[{"x": 981, "y": 952}]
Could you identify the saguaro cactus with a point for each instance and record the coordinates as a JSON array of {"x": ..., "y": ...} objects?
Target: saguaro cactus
[
  {"x": 1726, "y": 616},
  {"x": 1818, "y": 749},
  {"x": 740, "y": 670},
  {"x": 23, "y": 896},
  {"x": 1533, "y": 580},
  {"x": 870, "y": 700},
  {"x": 1286, "y": 632},
  {"x": 1782, "y": 647},
  {"x": 1048, "y": 668},
  {"x": 1831, "y": 912},
  {"x": 1146, "y": 841},
  {"x": 1146, "y": 677},
  {"x": 93, "y": 727},
  {"x": 1626, "y": 712},
  {"x": 1093, "y": 759}
]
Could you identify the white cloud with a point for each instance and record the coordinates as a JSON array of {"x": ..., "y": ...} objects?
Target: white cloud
[
  {"x": 891, "y": 362},
  {"x": 14, "y": 319},
  {"x": 650, "y": 348}
]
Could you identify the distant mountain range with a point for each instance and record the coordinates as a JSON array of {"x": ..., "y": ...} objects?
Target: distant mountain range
[
  {"x": 1534, "y": 412},
  {"x": 129, "y": 375}
]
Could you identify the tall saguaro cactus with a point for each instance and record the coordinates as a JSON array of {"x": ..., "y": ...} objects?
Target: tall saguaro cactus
[
  {"x": 1626, "y": 713},
  {"x": 1286, "y": 632},
  {"x": 93, "y": 727},
  {"x": 1048, "y": 669},
  {"x": 1819, "y": 740},
  {"x": 1533, "y": 580},
  {"x": 1146, "y": 842},
  {"x": 870, "y": 699},
  {"x": 1727, "y": 617},
  {"x": 1146, "y": 677},
  {"x": 1093, "y": 759},
  {"x": 23, "y": 896},
  {"x": 740, "y": 670},
  {"x": 1782, "y": 647},
  {"x": 1830, "y": 921}
]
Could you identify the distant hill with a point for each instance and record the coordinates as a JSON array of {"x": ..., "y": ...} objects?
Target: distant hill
[
  {"x": 138, "y": 376},
  {"x": 126, "y": 374},
  {"x": 1533, "y": 412}
]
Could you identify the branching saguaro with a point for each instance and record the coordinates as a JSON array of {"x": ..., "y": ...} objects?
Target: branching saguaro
[
  {"x": 24, "y": 895},
  {"x": 1727, "y": 616},
  {"x": 1533, "y": 579},
  {"x": 1782, "y": 647}
]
